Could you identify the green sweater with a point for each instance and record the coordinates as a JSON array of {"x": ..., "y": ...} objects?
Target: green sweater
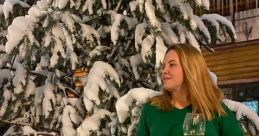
[{"x": 154, "y": 122}]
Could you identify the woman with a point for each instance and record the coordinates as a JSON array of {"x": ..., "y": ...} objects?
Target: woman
[{"x": 187, "y": 87}]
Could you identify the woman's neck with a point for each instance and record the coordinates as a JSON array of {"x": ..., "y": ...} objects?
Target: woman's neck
[{"x": 180, "y": 99}]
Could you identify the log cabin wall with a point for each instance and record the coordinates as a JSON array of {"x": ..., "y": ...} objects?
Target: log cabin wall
[{"x": 234, "y": 64}]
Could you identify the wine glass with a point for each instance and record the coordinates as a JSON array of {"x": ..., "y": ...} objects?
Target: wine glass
[{"x": 194, "y": 124}]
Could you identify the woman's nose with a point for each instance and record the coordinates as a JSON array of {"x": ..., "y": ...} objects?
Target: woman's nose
[{"x": 165, "y": 70}]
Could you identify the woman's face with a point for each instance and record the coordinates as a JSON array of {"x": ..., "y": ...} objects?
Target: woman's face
[{"x": 172, "y": 72}]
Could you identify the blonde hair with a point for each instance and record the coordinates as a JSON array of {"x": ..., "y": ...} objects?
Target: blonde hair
[{"x": 204, "y": 95}]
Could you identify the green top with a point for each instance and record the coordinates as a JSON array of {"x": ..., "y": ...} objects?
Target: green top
[{"x": 154, "y": 122}]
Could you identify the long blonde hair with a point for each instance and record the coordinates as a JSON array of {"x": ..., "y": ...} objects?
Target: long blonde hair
[{"x": 204, "y": 95}]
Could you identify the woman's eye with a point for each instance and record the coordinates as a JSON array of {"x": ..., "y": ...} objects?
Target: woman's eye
[{"x": 172, "y": 64}]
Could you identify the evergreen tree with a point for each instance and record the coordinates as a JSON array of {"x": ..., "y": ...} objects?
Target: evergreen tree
[{"x": 67, "y": 65}]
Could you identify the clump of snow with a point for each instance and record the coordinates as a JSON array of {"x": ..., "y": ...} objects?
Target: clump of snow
[
  {"x": 150, "y": 12},
  {"x": 7, "y": 97},
  {"x": 140, "y": 95},
  {"x": 9, "y": 4},
  {"x": 226, "y": 22},
  {"x": 97, "y": 80},
  {"x": 92, "y": 123},
  {"x": 116, "y": 28},
  {"x": 139, "y": 33},
  {"x": 135, "y": 60},
  {"x": 242, "y": 110},
  {"x": 27, "y": 130},
  {"x": 19, "y": 77},
  {"x": 160, "y": 52},
  {"x": 146, "y": 48},
  {"x": 20, "y": 27}
]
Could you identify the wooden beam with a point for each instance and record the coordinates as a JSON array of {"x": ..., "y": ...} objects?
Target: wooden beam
[{"x": 238, "y": 81}]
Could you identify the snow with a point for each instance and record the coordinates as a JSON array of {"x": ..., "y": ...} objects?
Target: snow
[
  {"x": 150, "y": 12},
  {"x": 192, "y": 40},
  {"x": 27, "y": 130},
  {"x": 206, "y": 4},
  {"x": 242, "y": 110},
  {"x": 47, "y": 39},
  {"x": 141, "y": 5},
  {"x": 211, "y": 20},
  {"x": 35, "y": 13},
  {"x": 16, "y": 31},
  {"x": 62, "y": 3},
  {"x": 30, "y": 88},
  {"x": 90, "y": 33},
  {"x": 19, "y": 78},
  {"x": 224, "y": 21},
  {"x": 185, "y": 8},
  {"x": 43, "y": 4},
  {"x": 198, "y": 2},
  {"x": 89, "y": 6},
  {"x": 8, "y": 6},
  {"x": 133, "y": 6},
  {"x": 139, "y": 33},
  {"x": 92, "y": 123},
  {"x": 104, "y": 4},
  {"x": 116, "y": 28},
  {"x": 7, "y": 97},
  {"x": 38, "y": 103},
  {"x": 68, "y": 20},
  {"x": 160, "y": 52},
  {"x": 140, "y": 95},
  {"x": 49, "y": 100},
  {"x": 201, "y": 26},
  {"x": 135, "y": 60},
  {"x": 97, "y": 51},
  {"x": 181, "y": 31},
  {"x": 168, "y": 34},
  {"x": 146, "y": 51},
  {"x": 1, "y": 9},
  {"x": 96, "y": 80},
  {"x": 160, "y": 5},
  {"x": 69, "y": 117},
  {"x": 5, "y": 74}
]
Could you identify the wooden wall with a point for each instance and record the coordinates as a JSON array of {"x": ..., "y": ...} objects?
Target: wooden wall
[{"x": 235, "y": 64}]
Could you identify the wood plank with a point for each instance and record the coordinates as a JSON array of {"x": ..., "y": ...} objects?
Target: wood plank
[
  {"x": 237, "y": 71},
  {"x": 250, "y": 63},
  {"x": 244, "y": 59},
  {"x": 239, "y": 76},
  {"x": 234, "y": 54},
  {"x": 207, "y": 53}
]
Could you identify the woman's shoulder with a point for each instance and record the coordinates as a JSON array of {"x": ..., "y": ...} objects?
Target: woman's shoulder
[{"x": 149, "y": 106}]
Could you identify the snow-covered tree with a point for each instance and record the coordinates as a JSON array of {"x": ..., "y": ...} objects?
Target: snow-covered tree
[{"x": 66, "y": 64}]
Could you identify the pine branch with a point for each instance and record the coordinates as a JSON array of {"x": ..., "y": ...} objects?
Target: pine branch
[
  {"x": 26, "y": 124},
  {"x": 118, "y": 6},
  {"x": 15, "y": 123},
  {"x": 110, "y": 57},
  {"x": 30, "y": 72}
]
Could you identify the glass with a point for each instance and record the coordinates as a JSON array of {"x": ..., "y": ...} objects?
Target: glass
[{"x": 194, "y": 124}]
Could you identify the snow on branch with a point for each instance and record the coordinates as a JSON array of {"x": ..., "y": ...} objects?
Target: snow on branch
[
  {"x": 92, "y": 123},
  {"x": 146, "y": 48},
  {"x": 140, "y": 95},
  {"x": 9, "y": 4},
  {"x": 69, "y": 117},
  {"x": 201, "y": 26},
  {"x": 96, "y": 80},
  {"x": 242, "y": 110},
  {"x": 225, "y": 22},
  {"x": 150, "y": 11},
  {"x": 139, "y": 33},
  {"x": 168, "y": 34},
  {"x": 19, "y": 28}
]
